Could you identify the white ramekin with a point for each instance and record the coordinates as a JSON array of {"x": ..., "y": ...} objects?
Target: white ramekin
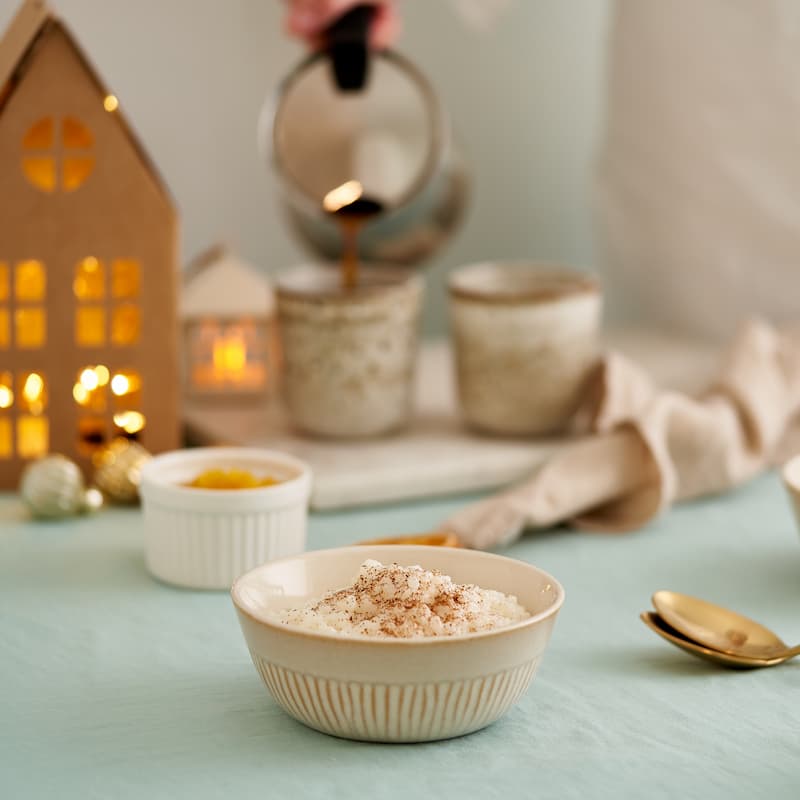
[{"x": 206, "y": 538}]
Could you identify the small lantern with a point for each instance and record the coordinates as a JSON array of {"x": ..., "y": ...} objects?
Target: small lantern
[{"x": 229, "y": 329}]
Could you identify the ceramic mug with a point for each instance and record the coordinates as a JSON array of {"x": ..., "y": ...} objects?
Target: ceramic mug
[
  {"x": 524, "y": 337},
  {"x": 349, "y": 356}
]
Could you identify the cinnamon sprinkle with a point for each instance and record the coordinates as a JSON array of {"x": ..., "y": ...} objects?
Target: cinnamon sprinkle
[{"x": 393, "y": 601}]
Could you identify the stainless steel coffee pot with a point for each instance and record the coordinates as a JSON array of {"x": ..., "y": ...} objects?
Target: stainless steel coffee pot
[{"x": 349, "y": 122}]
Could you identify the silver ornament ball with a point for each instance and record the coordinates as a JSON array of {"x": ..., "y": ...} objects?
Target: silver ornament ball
[{"x": 53, "y": 487}]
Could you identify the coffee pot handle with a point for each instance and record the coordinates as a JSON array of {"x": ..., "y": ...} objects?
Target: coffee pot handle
[{"x": 347, "y": 45}]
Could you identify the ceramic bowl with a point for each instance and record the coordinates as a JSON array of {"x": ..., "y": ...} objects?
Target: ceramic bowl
[
  {"x": 206, "y": 538},
  {"x": 394, "y": 690},
  {"x": 524, "y": 337},
  {"x": 349, "y": 357},
  {"x": 791, "y": 481}
]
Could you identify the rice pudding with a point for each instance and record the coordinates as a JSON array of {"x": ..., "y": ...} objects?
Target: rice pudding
[{"x": 396, "y": 602}]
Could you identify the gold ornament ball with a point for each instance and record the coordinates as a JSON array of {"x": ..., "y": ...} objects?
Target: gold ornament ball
[
  {"x": 52, "y": 487},
  {"x": 118, "y": 469}
]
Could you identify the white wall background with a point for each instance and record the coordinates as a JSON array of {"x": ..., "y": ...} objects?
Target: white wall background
[{"x": 525, "y": 100}]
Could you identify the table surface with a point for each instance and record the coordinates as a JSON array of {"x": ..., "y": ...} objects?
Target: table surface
[{"x": 113, "y": 686}]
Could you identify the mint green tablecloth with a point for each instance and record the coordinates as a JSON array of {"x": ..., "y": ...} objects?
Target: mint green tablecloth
[{"x": 113, "y": 686}]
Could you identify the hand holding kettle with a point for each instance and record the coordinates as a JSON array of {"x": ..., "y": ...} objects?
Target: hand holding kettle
[{"x": 308, "y": 19}]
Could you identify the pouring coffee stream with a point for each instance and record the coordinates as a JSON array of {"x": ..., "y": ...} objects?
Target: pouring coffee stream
[{"x": 352, "y": 209}]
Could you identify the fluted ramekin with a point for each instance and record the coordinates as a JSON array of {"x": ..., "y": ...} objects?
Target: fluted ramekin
[
  {"x": 394, "y": 690},
  {"x": 206, "y": 538}
]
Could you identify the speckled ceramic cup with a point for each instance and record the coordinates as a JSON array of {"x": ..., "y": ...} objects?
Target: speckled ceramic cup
[
  {"x": 524, "y": 336},
  {"x": 349, "y": 356}
]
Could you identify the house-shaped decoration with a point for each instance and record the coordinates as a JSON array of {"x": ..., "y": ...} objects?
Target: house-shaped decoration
[
  {"x": 229, "y": 330},
  {"x": 88, "y": 326}
]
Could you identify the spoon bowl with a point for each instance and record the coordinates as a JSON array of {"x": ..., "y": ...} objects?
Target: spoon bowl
[
  {"x": 719, "y": 628},
  {"x": 667, "y": 632}
]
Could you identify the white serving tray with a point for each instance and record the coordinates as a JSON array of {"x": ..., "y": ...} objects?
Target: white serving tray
[{"x": 436, "y": 455}]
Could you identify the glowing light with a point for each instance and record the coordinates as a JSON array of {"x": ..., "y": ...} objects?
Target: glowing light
[
  {"x": 80, "y": 394},
  {"x": 40, "y": 171},
  {"x": 31, "y": 327},
  {"x": 6, "y": 397},
  {"x": 230, "y": 353},
  {"x": 6, "y": 440},
  {"x": 342, "y": 196},
  {"x": 110, "y": 103},
  {"x": 30, "y": 281},
  {"x": 126, "y": 278},
  {"x": 129, "y": 421},
  {"x": 89, "y": 379},
  {"x": 102, "y": 374},
  {"x": 120, "y": 385},
  {"x": 33, "y": 437},
  {"x": 125, "y": 324},
  {"x": 33, "y": 388}
]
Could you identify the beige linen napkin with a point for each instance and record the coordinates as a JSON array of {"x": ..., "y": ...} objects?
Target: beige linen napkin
[{"x": 649, "y": 447}]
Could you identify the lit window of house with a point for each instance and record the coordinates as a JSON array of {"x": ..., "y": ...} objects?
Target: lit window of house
[
  {"x": 5, "y": 317},
  {"x": 97, "y": 306},
  {"x": 30, "y": 321},
  {"x": 33, "y": 430},
  {"x": 110, "y": 405},
  {"x": 57, "y": 154},
  {"x": 6, "y": 403}
]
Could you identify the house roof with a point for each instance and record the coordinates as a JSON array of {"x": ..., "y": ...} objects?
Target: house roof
[
  {"x": 32, "y": 23},
  {"x": 218, "y": 283}
]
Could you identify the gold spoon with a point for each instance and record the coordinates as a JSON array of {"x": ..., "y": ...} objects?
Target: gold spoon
[
  {"x": 720, "y": 629},
  {"x": 657, "y": 625},
  {"x": 435, "y": 538}
]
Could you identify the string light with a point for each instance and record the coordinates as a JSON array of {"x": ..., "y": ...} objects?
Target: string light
[
  {"x": 6, "y": 397},
  {"x": 110, "y": 103},
  {"x": 120, "y": 384},
  {"x": 102, "y": 374},
  {"x": 80, "y": 394},
  {"x": 129, "y": 421},
  {"x": 89, "y": 379},
  {"x": 33, "y": 388}
]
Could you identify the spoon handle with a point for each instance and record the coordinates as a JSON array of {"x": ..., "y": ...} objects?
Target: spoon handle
[{"x": 793, "y": 651}]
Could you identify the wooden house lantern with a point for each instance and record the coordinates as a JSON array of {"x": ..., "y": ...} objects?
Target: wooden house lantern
[
  {"x": 229, "y": 331},
  {"x": 88, "y": 331}
]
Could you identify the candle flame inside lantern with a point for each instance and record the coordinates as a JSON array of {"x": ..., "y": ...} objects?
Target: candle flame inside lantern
[
  {"x": 342, "y": 196},
  {"x": 230, "y": 353}
]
